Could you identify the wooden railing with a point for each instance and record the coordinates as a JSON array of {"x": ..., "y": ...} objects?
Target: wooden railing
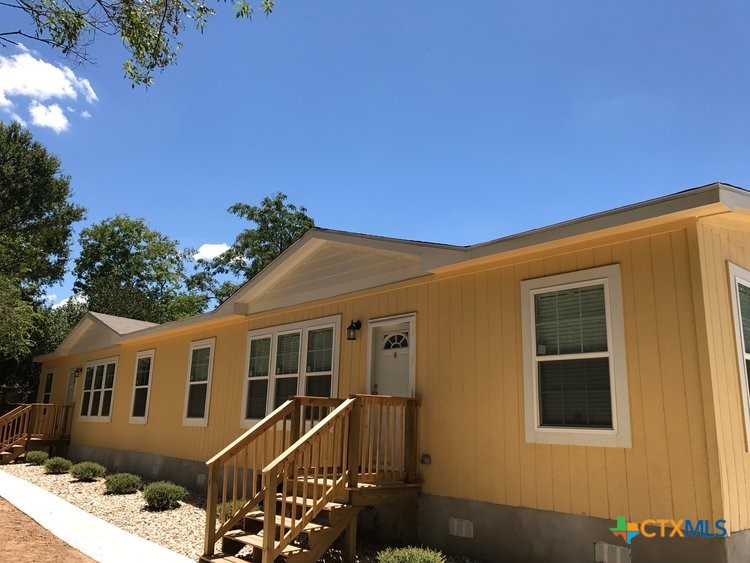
[
  {"x": 235, "y": 485},
  {"x": 313, "y": 470},
  {"x": 50, "y": 421},
  {"x": 14, "y": 427},
  {"x": 387, "y": 439}
]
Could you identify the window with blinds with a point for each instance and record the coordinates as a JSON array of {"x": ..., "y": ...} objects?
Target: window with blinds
[
  {"x": 575, "y": 378},
  {"x": 144, "y": 365},
  {"x": 98, "y": 387},
  {"x": 199, "y": 383},
  {"x": 47, "y": 395},
  {"x": 288, "y": 360}
]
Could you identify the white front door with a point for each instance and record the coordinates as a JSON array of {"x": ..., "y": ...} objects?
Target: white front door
[{"x": 392, "y": 356}]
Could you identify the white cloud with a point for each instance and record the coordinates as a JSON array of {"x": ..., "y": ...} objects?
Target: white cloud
[
  {"x": 208, "y": 251},
  {"x": 71, "y": 299},
  {"x": 19, "y": 119},
  {"x": 51, "y": 116},
  {"x": 24, "y": 75},
  {"x": 85, "y": 115}
]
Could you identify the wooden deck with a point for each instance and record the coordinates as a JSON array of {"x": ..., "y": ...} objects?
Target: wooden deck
[{"x": 34, "y": 426}]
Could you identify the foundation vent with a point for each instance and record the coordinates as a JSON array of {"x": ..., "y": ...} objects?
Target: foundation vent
[
  {"x": 460, "y": 527},
  {"x": 610, "y": 553}
]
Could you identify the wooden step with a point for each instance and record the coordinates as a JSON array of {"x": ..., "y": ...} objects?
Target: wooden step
[
  {"x": 287, "y": 523},
  {"x": 256, "y": 541},
  {"x": 308, "y": 502}
]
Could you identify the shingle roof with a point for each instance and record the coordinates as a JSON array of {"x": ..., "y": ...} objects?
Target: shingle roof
[{"x": 121, "y": 325}]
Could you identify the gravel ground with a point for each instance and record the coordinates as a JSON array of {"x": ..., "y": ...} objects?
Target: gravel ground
[{"x": 180, "y": 530}]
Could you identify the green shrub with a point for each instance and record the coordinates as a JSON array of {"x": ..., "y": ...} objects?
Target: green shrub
[
  {"x": 122, "y": 484},
  {"x": 163, "y": 495},
  {"x": 36, "y": 457},
  {"x": 87, "y": 471},
  {"x": 57, "y": 465},
  {"x": 229, "y": 508},
  {"x": 410, "y": 555}
]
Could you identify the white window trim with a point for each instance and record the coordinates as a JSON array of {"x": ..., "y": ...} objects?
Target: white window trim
[
  {"x": 52, "y": 373},
  {"x": 211, "y": 344},
  {"x": 93, "y": 363},
  {"x": 619, "y": 435},
  {"x": 273, "y": 332},
  {"x": 738, "y": 275},
  {"x": 142, "y": 419}
]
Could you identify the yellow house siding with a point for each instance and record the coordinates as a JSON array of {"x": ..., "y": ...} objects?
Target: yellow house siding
[
  {"x": 722, "y": 240},
  {"x": 471, "y": 384}
]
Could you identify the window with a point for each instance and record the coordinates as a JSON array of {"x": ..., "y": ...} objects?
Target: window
[
  {"x": 198, "y": 383},
  {"x": 47, "y": 395},
  {"x": 575, "y": 380},
  {"x": 98, "y": 386},
  {"x": 295, "y": 359},
  {"x": 740, "y": 280},
  {"x": 144, "y": 366}
]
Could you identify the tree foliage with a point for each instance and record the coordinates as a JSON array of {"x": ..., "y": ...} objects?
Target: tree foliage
[
  {"x": 36, "y": 214},
  {"x": 277, "y": 225},
  {"x": 150, "y": 30},
  {"x": 127, "y": 269}
]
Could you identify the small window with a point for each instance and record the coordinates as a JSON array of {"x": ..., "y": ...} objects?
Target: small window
[
  {"x": 289, "y": 360},
  {"x": 98, "y": 388},
  {"x": 395, "y": 340},
  {"x": 199, "y": 383},
  {"x": 144, "y": 366},
  {"x": 740, "y": 280},
  {"x": 575, "y": 383},
  {"x": 47, "y": 395}
]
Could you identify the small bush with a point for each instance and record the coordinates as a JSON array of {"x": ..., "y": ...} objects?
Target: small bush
[
  {"x": 410, "y": 555},
  {"x": 229, "y": 508},
  {"x": 36, "y": 457},
  {"x": 122, "y": 484},
  {"x": 163, "y": 495},
  {"x": 57, "y": 465},
  {"x": 87, "y": 471}
]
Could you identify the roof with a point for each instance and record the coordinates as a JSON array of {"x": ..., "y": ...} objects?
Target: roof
[
  {"x": 325, "y": 262},
  {"x": 121, "y": 325}
]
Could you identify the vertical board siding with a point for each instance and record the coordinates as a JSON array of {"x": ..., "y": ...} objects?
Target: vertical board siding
[
  {"x": 470, "y": 382},
  {"x": 719, "y": 245}
]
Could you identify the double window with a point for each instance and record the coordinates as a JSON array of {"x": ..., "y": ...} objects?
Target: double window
[
  {"x": 98, "y": 387},
  {"x": 289, "y": 360},
  {"x": 575, "y": 381},
  {"x": 198, "y": 393},
  {"x": 144, "y": 367},
  {"x": 740, "y": 279}
]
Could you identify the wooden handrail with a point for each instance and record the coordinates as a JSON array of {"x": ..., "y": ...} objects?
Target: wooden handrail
[
  {"x": 234, "y": 485},
  {"x": 12, "y": 412},
  {"x": 313, "y": 469},
  {"x": 14, "y": 429}
]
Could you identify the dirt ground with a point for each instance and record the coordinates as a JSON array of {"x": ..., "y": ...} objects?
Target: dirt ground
[{"x": 23, "y": 540}]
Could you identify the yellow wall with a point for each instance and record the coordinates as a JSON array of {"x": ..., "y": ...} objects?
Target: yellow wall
[
  {"x": 470, "y": 380},
  {"x": 722, "y": 240}
]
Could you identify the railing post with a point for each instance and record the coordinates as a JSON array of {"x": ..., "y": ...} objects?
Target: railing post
[
  {"x": 269, "y": 516},
  {"x": 410, "y": 442},
  {"x": 212, "y": 493},
  {"x": 353, "y": 448},
  {"x": 296, "y": 418}
]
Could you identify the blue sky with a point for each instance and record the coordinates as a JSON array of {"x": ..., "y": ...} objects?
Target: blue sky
[{"x": 437, "y": 121}]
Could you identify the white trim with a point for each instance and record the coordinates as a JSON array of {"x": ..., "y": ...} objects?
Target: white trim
[
  {"x": 93, "y": 364},
  {"x": 209, "y": 343},
  {"x": 411, "y": 319},
  {"x": 619, "y": 435},
  {"x": 144, "y": 354},
  {"x": 738, "y": 275},
  {"x": 302, "y": 328}
]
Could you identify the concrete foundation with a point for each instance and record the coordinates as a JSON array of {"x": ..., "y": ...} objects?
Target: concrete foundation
[
  {"x": 191, "y": 474},
  {"x": 522, "y": 535}
]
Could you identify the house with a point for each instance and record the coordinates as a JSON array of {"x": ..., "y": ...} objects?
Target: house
[{"x": 582, "y": 388}]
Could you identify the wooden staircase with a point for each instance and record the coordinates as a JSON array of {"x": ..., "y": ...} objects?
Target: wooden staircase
[
  {"x": 294, "y": 483},
  {"x": 36, "y": 423}
]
